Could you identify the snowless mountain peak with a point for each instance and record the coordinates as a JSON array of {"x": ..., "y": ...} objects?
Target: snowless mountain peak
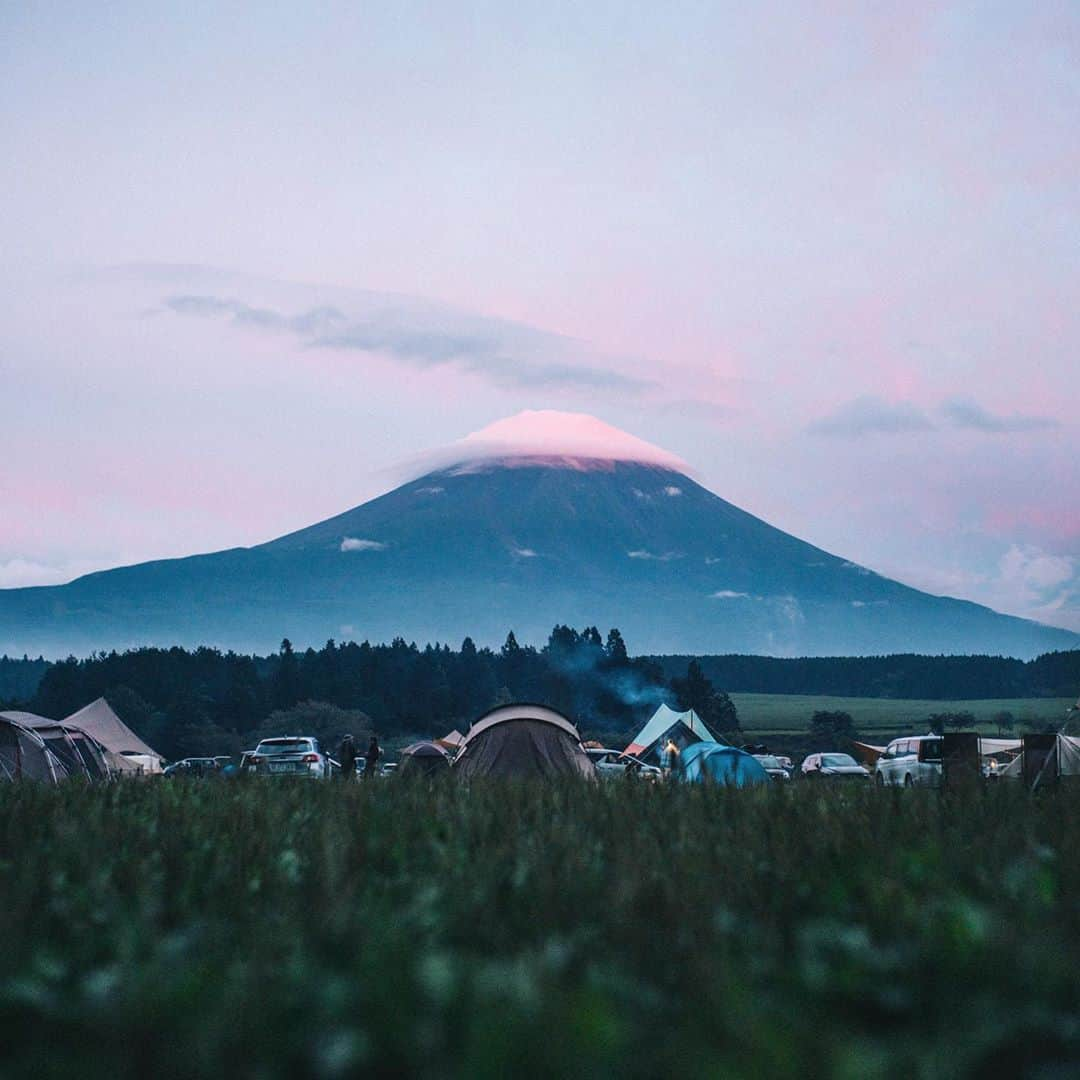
[{"x": 560, "y": 439}]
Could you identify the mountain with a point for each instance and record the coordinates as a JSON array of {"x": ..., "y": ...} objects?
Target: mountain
[{"x": 522, "y": 540}]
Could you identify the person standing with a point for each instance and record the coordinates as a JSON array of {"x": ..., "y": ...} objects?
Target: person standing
[
  {"x": 671, "y": 758},
  {"x": 347, "y": 758},
  {"x": 373, "y": 755}
]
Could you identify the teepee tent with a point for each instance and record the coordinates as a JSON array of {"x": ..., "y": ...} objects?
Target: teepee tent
[
  {"x": 523, "y": 742},
  {"x": 682, "y": 728},
  {"x": 451, "y": 741},
  {"x": 124, "y": 747}
]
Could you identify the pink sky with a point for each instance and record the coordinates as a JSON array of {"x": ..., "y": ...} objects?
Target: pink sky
[{"x": 826, "y": 260}]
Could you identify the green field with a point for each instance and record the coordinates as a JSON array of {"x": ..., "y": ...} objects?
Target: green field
[
  {"x": 271, "y": 930},
  {"x": 792, "y": 712}
]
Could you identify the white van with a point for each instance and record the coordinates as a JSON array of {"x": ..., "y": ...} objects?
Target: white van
[{"x": 914, "y": 759}]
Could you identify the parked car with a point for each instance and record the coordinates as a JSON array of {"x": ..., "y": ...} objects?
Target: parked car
[
  {"x": 773, "y": 765},
  {"x": 291, "y": 755},
  {"x": 192, "y": 766},
  {"x": 833, "y": 766},
  {"x": 914, "y": 759},
  {"x": 614, "y": 764}
]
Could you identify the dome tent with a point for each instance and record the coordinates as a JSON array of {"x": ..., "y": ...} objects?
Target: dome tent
[
  {"x": 24, "y": 754},
  {"x": 523, "y": 742},
  {"x": 423, "y": 760},
  {"x": 716, "y": 763},
  {"x": 78, "y": 752}
]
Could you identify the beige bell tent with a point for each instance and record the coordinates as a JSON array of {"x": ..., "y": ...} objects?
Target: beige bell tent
[{"x": 127, "y": 752}]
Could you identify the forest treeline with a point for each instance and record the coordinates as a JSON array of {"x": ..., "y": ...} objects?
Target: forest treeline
[
  {"x": 204, "y": 700},
  {"x": 938, "y": 678}
]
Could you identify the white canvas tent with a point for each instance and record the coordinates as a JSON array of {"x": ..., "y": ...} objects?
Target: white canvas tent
[
  {"x": 1067, "y": 760},
  {"x": 128, "y": 753},
  {"x": 684, "y": 728}
]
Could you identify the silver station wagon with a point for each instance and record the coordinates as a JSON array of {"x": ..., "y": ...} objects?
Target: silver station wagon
[{"x": 291, "y": 755}]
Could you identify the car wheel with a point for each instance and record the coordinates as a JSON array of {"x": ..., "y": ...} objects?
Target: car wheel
[{"x": 908, "y": 781}]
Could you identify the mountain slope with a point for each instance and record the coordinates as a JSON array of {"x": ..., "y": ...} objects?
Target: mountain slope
[{"x": 521, "y": 543}]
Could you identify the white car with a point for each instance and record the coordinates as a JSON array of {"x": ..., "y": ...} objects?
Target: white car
[
  {"x": 914, "y": 759},
  {"x": 773, "y": 765},
  {"x": 614, "y": 764},
  {"x": 291, "y": 755},
  {"x": 833, "y": 767}
]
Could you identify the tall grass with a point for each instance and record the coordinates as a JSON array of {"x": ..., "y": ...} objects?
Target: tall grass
[{"x": 186, "y": 929}]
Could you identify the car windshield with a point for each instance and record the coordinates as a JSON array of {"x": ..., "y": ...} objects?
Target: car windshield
[
  {"x": 769, "y": 762},
  {"x": 284, "y": 746},
  {"x": 837, "y": 761}
]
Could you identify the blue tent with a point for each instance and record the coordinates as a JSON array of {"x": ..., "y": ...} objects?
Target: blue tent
[{"x": 715, "y": 763}]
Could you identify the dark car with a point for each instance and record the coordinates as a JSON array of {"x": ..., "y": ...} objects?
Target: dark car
[
  {"x": 833, "y": 766},
  {"x": 192, "y": 766}
]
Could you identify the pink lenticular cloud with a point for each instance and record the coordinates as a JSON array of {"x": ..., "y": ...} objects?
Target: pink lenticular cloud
[{"x": 550, "y": 433}]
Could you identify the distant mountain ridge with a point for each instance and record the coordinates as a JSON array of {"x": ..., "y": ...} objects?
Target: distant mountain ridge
[{"x": 521, "y": 542}]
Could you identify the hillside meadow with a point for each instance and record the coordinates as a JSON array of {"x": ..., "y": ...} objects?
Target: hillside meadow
[
  {"x": 792, "y": 712},
  {"x": 330, "y": 930}
]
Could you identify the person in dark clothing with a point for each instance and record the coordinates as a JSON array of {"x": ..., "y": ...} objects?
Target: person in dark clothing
[
  {"x": 373, "y": 754},
  {"x": 347, "y": 758}
]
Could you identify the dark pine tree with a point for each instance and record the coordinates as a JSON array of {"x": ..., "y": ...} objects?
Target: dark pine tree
[
  {"x": 286, "y": 684},
  {"x": 698, "y": 693}
]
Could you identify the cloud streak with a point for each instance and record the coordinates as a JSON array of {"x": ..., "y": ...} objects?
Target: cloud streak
[
  {"x": 872, "y": 415},
  {"x": 968, "y": 414},
  {"x": 508, "y": 355}
]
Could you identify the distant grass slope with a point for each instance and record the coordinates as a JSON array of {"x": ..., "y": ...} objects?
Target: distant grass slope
[{"x": 792, "y": 712}]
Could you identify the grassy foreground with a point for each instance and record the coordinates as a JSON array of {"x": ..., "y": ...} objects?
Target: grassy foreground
[{"x": 264, "y": 930}]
